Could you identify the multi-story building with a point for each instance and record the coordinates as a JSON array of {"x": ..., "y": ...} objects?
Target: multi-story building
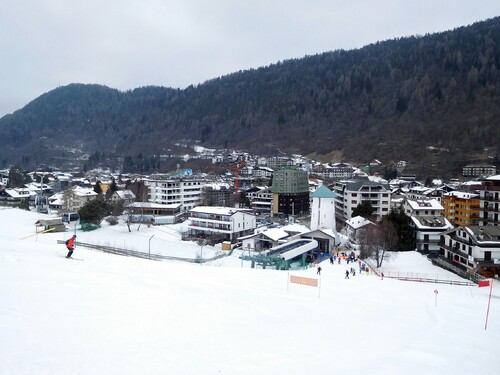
[
  {"x": 277, "y": 162},
  {"x": 77, "y": 196},
  {"x": 473, "y": 249},
  {"x": 290, "y": 191},
  {"x": 351, "y": 193},
  {"x": 261, "y": 199},
  {"x": 265, "y": 172},
  {"x": 489, "y": 201},
  {"x": 228, "y": 223},
  {"x": 166, "y": 189},
  {"x": 460, "y": 208},
  {"x": 427, "y": 223},
  {"x": 332, "y": 171},
  {"x": 217, "y": 194},
  {"x": 476, "y": 170},
  {"x": 4, "y": 178}
]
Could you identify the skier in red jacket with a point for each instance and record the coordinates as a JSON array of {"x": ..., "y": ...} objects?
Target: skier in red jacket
[{"x": 70, "y": 244}]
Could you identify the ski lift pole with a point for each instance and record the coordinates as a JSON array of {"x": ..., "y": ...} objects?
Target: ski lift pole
[{"x": 149, "y": 248}]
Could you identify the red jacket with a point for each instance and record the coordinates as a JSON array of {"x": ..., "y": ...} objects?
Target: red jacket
[{"x": 71, "y": 243}]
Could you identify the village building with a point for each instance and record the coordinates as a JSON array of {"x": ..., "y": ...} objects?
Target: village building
[
  {"x": 290, "y": 190},
  {"x": 473, "y": 249},
  {"x": 125, "y": 196},
  {"x": 461, "y": 208},
  {"x": 427, "y": 223},
  {"x": 351, "y": 193},
  {"x": 227, "y": 223},
  {"x": 354, "y": 228},
  {"x": 181, "y": 188},
  {"x": 154, "y": 213},
  {"x": 489, "y": 201}
]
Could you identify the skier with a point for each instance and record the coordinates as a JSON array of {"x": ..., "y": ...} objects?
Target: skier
[
  {"x": 70, "y": 244},
  {"x": 331, "y": 259},
  {"x": 319, "y": 271},
  {"x": 346, "y": 274}
]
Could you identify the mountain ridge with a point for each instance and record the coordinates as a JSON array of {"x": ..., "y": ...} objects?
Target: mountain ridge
[{"x": 431, "y": 100}]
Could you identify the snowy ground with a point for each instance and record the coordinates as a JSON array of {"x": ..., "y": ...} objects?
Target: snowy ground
[{"x": 109, "y": 314}]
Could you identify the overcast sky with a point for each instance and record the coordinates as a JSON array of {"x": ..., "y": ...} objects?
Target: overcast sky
[{"x": 126, "y": 44}]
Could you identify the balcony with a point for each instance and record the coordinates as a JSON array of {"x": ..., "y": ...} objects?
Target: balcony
[{"x": 455, "y": 249}]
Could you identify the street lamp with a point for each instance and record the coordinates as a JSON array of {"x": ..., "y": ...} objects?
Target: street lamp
[
  {"x": 201, "y": 243},
  {"x": 150, "y": 238}
]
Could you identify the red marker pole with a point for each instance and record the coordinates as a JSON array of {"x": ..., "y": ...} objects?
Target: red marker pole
[
  {"x": 488, "y": 310},
  {"x": 436, "y": 297}
]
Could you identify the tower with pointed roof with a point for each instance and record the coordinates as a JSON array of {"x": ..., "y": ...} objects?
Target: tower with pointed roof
[{"x": 323, "y": 209}]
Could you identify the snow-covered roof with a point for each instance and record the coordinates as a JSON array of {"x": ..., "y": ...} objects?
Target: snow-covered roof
[
  {"x": 19, "y": 192},
  {"x": 218, "y": 185},
  {"x": 427, "y": 204},
  {"x": 431, "y": 222},
  {"x": 462, "y": 195},
  {"x": 295, "y": 228},
  {"x": 84, "y": 192},
  {"x": 153, "y": 205},
  {"x": 275, "y": 234},
  {"x": 358, "y": 222},
  {"x": 228, "y": 211},
  {"x": 125, "y": 194}
]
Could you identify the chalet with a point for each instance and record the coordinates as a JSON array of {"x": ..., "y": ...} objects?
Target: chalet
[
  {"x": 126, "y": 196},
  {"x": 354, "y": 228},
  {"x": 13, "y": 197}
]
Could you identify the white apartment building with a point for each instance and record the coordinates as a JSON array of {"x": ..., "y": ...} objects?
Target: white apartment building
[
  {"x": 473, "y": 249},
  {"x": 230, "y": 223},
  {"x": 332, "y": 171},
  {"x": 262, "y": 172},
  {"x": 77, "y": 197},
  {"x": 185, "y": 190},
  {"x": 351, "y": 193},
  {"x": 278, "y": 162},
  {"x": 427, "y": 222}
]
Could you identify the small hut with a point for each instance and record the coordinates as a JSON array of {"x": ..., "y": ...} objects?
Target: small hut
[{"x": 54, "y": 225}]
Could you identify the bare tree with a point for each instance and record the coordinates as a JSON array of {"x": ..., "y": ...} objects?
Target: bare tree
[{"x": 376, "y": 240}]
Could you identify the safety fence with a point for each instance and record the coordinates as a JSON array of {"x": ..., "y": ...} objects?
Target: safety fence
[
  {"x": 144, "y": 255},
  {"x": 421, "y": 278}
]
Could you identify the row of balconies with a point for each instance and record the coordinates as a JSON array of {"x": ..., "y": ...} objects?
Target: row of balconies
[
  {"x": 490, "y": 198},
  {"x": 454, "y": 249},
  {"x": 211, "y": 226},
  {"x": 197, "y": 215}
]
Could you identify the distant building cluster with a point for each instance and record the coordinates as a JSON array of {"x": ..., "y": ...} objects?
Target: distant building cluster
[{"x": 242, "y": 198}]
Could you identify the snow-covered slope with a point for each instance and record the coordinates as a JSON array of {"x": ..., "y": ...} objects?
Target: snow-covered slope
[{"x": 116, "y": 315}]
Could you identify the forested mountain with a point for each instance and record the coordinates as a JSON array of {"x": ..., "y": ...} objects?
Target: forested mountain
[{"x": 431, "y": 100}]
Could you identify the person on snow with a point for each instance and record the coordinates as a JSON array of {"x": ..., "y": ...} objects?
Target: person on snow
[
  {"x": 70, "y": 244},
  {"x": 319, "y": 271},
  {"x": 346, "y": 274}
]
